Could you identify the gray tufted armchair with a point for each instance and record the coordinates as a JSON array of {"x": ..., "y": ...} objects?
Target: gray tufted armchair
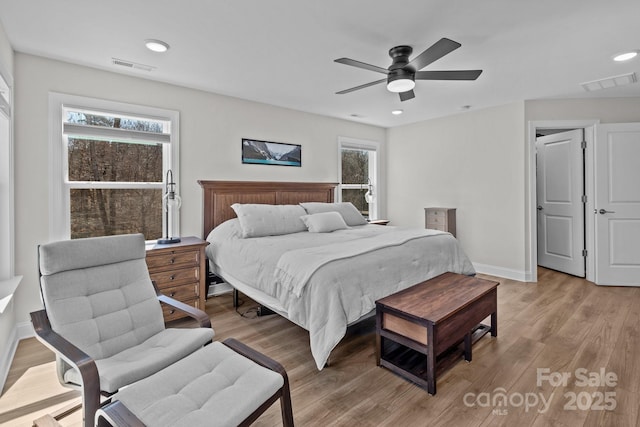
[{"x": 103, "y": 318}]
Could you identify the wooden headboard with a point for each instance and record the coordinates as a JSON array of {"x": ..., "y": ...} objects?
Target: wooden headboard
[{"x": 220, "y": 195}]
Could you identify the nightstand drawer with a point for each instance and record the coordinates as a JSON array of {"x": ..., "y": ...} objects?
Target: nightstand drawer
[
  {"x": 182, "y": 293},
  {"x": 165, "y": 279},
  {"x": 436, "y": 215},
  {"x": 173, "y": 258},
  {"x": 178, "y": 269},
  {"x": 171, "y": 313},
  {"x": 436, "y": 226}
]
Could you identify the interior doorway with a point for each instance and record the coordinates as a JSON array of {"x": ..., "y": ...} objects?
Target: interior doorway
[
  {"x": 552, "y": 127},
  {"x": 560, "y": 200}
]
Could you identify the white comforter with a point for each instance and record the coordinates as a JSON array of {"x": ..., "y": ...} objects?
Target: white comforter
[{"x": 326, "y": 281}]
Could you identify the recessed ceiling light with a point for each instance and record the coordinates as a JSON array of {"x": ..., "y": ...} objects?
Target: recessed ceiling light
[
  {"x": 397, "y": 112},
  {"x": 156, "y": 45},
  {"x": 625, "y": 56}
]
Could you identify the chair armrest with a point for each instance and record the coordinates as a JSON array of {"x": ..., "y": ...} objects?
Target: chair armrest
[
  {"x": 200, "y": 316},
  {"x": 73, "y": 356},
  {"x": 118, "y": 415},
  {"x": 256, "y": 356}
]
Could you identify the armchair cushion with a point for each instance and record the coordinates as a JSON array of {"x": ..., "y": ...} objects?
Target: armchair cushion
[
  {"x": 104, "y": 309},
  {"x": 154, "y": 354},
  {"x": 68, "y": 255}
]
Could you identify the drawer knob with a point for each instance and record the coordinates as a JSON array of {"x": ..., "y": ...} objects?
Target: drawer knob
[
  {"x": 172, "y": 294},
  {"x": 172, "y": 277},
  {"x": 172, "y": 311},
  {"x": 172, "y": 261}
]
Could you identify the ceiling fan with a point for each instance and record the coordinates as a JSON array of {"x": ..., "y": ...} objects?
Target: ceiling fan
[{"x": 402, "y": 73}]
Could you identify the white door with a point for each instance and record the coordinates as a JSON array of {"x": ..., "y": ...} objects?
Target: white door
[
  {"x": 560, "y": 187},
  {"x": 617, "y": 204}
]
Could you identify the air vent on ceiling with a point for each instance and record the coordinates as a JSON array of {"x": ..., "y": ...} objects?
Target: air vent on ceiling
[
  {"x": 134, "y": 65},
  {"x": 609, "y": 82}
]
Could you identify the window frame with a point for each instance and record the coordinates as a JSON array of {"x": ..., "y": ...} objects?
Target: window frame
[
  {"x": 375, "y": 173},
  {"x": 59, "y": 184},
  {"x": 7, "y": 197}
]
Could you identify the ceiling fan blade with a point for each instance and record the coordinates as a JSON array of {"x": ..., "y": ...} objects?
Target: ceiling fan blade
[
  {"x": 361, "y": 87},
  {"x": 448, "y": 75},
  {"x": 405, "y": 96},
  {"x": 435, "y": 52},
  {"x": 354, "y": 63}
]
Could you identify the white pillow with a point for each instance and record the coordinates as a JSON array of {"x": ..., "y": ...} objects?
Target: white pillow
[
  {"x": 324, "y": 222},
  {"x": 228, "y": 230},
  {"x": 349, "y": 212},
  {"x": 257, "y": 220}
]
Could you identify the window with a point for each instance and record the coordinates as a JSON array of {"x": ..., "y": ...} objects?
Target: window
[
  {"x": 109, "y": 163},
  {"x": 6, "y": 182},
  {"x": 359, "y": 175}
]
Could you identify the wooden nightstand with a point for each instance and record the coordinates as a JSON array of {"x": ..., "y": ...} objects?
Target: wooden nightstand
[
  {"x": 379, "y": 221},
  {"x": 179, "y": 272},
  {"x": 443, "y": 219}
]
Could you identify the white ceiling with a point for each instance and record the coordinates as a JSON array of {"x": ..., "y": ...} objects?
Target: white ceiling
[{"x": 281, "y": 52}]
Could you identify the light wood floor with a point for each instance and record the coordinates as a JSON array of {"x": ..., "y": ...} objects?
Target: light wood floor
[{"x": 561, "y": 324}]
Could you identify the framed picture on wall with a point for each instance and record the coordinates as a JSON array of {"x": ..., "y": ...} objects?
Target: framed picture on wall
[{"x": 259, "y": 152}]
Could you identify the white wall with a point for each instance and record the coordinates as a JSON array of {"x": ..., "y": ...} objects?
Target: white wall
[
  {"x": 607, "y": 110},
  {"x": 475, "y": 162},
  {"x": 211, "y": 128}
]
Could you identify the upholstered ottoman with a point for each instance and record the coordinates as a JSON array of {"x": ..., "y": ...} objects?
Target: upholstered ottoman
[{"x": 222, "y": 384}]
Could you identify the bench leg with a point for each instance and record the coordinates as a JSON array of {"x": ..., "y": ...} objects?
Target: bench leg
[
  {"x": 467, "y": 347},
  {"x": 431, "y": 360},
  {"x": 494, "y": 324}
]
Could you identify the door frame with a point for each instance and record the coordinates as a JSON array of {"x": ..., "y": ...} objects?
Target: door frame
[{"x": 531, "y": 217}]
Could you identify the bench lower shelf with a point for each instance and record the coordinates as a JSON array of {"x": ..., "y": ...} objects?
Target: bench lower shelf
[{"x": 412, "y": 364}]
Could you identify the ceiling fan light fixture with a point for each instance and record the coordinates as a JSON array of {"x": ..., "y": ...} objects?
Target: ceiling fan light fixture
[
  {"x": 401, "y": 84},
  {"x": 404, "y": 71},
  {"x": 156, "y": 45}
]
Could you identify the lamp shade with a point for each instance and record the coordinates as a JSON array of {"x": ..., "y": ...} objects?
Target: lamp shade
[{"x": 368, "y": 196}]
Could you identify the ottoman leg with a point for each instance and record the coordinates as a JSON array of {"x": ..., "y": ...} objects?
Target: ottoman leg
[
  {"x": 267, "y": 362},
  {"x": 116, "y": 414}
]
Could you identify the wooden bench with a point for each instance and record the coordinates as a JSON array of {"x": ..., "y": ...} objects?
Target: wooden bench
[{"x": 420, "y": 326}]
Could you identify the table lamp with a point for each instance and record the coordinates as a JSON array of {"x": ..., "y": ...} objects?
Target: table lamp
[{"x": 171, "y": 203}]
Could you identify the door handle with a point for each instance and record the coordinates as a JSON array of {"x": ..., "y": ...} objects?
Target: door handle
[
  {"x": 603, "y": 211},
  {"x": 539, "y": 208}
]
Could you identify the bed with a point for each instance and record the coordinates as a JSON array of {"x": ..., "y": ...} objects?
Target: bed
[{"x": 322, "y": 281}]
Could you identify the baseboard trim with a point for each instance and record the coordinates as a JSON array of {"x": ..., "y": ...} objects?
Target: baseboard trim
[
  {"x": 7, "y": 357},
  {"x": 20, "y": 331},
  {"x": 25, "y": 330},
  {"x": 507, "y": 273}
]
